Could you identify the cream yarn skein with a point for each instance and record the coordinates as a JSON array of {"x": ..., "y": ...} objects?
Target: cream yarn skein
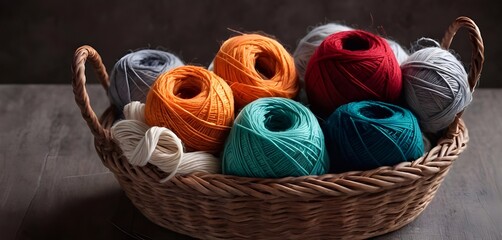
[{"x": 159, "y": 146}]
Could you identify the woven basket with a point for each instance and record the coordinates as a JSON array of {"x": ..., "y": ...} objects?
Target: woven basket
[{"x": 351, "y": 205}]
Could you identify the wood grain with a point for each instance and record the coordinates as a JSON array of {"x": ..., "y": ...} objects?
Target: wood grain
[{"x": 53, "y": 185}]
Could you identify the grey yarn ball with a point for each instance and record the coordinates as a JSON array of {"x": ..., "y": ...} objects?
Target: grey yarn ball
[
  {"x": 133, "y": 74},
  {"x": 435, "y": 87}
]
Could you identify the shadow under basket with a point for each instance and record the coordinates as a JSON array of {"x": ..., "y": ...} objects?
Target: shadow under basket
[{"x": 351, "y": 205}]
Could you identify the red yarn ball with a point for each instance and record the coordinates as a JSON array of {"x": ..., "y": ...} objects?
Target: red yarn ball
[{"x": 351, "y": 66}]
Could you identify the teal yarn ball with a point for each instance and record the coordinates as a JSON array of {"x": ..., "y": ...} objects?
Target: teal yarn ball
[
  {"x": 273, "y": 138},
  {"x": 369, "y": 134}
]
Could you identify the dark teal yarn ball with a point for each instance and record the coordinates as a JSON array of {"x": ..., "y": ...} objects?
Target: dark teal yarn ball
[
  {"x": 273, "y": 138},
  {"x": 369, "y": 134}
]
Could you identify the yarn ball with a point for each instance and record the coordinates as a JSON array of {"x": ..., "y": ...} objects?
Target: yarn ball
[
  {"x": 308, "y": 44},
  {"x": 195, "y": 104},
  {"x": 159, "y": 146},
  {"x": 435, "y": 87},
  {"x": 256, "y": 66},
  {"x": 306, "y": 48},
  {"x": 273, "y": 138},
  {"x": 351, "y": 66},
  {"x": 134, "y": 73},
  {"x": 368, "y": 134},
  {"x": 399, "y": 52}
]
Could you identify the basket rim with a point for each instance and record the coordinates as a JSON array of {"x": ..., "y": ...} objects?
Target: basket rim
[{"x": 437, "y": 160}]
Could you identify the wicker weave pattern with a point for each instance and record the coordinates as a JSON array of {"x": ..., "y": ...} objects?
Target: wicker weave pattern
[{"x": 351, "y": 205}]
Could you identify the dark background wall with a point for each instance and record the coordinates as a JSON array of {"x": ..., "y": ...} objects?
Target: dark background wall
[{"x": 38, "y": 38}]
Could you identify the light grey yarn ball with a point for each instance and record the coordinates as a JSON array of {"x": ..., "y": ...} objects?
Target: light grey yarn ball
[
  {"x": 399, "y": 52},
  {"x": 435, "y": 87},
  {"x": 133, "y": 74}
]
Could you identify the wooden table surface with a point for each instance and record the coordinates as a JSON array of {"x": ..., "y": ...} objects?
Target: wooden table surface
[{"x": 53, "y": 185}]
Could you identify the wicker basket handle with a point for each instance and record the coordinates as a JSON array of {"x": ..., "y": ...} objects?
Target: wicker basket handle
[
  {"x": 477, "y": 60},
  {"x": 81, "y": 97}
]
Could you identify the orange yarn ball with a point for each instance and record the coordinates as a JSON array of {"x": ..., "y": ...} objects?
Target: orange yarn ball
[
  {"x": 195, "y": 104},
  {"x": 256, "y": 66}
]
